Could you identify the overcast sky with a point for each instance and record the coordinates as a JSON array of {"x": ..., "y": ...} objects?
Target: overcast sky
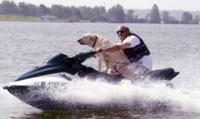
[{"x": 189, "y": 5}]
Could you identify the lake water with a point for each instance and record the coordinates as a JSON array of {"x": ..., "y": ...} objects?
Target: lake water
[{"x": 25, "y": 45}]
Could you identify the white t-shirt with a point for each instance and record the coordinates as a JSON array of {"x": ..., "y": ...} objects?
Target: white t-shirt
[{"x": 134, "y": 41}]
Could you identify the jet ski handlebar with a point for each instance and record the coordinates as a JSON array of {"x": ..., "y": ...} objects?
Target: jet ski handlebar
[
  {"x": 65, "y": 59},
  {"x": 81, "y": 57}
]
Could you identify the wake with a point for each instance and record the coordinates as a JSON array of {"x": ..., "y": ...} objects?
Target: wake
[{"x": 138, "y": 96}]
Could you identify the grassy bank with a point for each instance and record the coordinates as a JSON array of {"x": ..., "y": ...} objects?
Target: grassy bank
[
  {"x": 25, "y": 19},
  {"x": 17, "y": 18}
]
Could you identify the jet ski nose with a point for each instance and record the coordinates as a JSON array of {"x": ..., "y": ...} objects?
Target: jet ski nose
[
  {"x": 5, "y": 87},
  {"x": 8, "y": 87}
]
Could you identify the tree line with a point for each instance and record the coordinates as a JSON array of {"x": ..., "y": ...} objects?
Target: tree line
[{"x": 116, "y": 14}]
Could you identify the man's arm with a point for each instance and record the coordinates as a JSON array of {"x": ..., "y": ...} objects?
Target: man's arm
[{"x": 113, "y": 48}]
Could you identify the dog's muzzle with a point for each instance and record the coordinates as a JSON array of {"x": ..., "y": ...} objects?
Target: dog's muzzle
[{"x": 79, "y": 41}]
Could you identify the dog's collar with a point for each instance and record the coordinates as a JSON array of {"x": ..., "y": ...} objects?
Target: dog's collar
[{"x": 93, "y": 45}]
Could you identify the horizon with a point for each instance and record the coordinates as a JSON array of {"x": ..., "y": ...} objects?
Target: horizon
[{"x": 129, "y": 4}]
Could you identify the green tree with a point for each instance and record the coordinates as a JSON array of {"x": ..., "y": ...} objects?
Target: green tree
[
  {"x": 9, "y": 8},
  {"x": 116, "y": 14},
  {"x": 154, "y": 15},
  {"x": 98, "y": 13},
  {"x": 43, "y": 10},
  {"x": 129, "y": 16},
  {"x": 31, "y": 10},
  {"x": 75, "y": 14},
  {"x": 66, "y": 12},
  {"x": 0, "y": 9},
  {"x": 86, "y": 12},
  {"x": 187, "y": 18},
  {"x": 196, "y": 19},
  {"x": 165, "y": 17},
  {"x": 57, "y": 10},
  {"x": 23, "y": 9}
]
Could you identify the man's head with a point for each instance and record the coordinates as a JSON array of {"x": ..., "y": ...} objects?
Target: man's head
[{"x": 123, "y": 32}]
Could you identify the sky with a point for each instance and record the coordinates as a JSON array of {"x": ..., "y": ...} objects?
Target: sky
[{"x": 187, "y": 5}]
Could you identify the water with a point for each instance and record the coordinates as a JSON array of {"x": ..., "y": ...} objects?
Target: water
[{"x": 25, "y": 45}]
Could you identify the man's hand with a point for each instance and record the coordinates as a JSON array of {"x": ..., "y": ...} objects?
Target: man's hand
[{"x": 98, "y": 50}]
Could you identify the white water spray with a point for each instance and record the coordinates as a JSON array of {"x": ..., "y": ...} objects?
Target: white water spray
[{"x": 145, "y": 94}]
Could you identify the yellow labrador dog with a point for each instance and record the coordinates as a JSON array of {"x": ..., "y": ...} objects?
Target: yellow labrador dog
[{"x": 111, "y": 60}]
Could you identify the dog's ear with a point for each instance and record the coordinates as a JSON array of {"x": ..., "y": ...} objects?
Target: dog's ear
[{"x": 94, "y": 37}]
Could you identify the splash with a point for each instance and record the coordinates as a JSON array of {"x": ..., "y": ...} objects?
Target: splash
[{"x": 146, "y": 95}]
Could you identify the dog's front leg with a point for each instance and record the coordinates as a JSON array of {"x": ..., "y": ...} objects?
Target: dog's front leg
[
  {"x": 107, "y": 66},
  {"x": 99, "y": 64}
]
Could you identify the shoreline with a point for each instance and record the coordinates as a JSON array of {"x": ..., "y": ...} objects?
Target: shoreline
[{"x": 13, "y": 18}]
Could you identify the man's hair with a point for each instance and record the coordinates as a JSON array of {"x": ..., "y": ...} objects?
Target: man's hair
[{"x": 125, "y": 28}]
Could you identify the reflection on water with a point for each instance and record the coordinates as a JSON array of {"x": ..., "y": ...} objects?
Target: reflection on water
[
  {"x": 108, "y": 114},
  {"x": 89, "y": 113},
  {"x": 80, "y": 114}
]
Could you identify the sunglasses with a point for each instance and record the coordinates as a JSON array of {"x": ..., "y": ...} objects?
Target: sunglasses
[{"x": 120, "y": 31}]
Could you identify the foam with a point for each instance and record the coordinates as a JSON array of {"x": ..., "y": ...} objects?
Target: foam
[{"x": 146, "y": 94}]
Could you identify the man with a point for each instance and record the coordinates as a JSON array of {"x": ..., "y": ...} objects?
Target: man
[{"x": 136, "y": 51}]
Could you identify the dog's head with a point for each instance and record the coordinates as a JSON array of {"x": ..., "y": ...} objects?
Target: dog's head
[{"x": 88, "y": 39}]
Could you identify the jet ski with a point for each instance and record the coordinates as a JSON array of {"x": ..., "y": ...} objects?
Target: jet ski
[{"x": 30, "y": 87}]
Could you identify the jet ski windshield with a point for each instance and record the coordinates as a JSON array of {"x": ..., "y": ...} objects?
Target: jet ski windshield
[
  {"x": 59, "y": 63},
  {"x": 62, "y": 58},
  {"x": 58, "y": 58}
]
